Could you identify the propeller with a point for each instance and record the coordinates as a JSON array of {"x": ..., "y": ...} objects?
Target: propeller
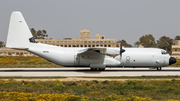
[{"x": 121, "y": 51}]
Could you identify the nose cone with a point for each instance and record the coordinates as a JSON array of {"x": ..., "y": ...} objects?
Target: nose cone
[{"x": 172, "y": 60}]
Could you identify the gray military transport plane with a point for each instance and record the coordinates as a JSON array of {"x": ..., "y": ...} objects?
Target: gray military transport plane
[{"x": 97, "y": 58}]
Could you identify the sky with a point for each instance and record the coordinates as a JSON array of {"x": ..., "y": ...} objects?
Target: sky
[{"x": 116, "y": 19}]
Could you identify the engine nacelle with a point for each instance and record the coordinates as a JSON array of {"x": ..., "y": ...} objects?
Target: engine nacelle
[{"x": 110, "y": 51}]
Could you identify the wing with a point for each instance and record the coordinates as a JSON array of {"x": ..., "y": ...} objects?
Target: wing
[{"x": 112, "y": 52}]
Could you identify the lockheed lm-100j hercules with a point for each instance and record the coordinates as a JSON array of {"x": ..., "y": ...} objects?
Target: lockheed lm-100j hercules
[{"x": 97, "y": 58}]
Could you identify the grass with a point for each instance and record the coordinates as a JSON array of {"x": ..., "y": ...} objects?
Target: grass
[
  {"x": 98, "y": 90},
  {"x": 25, "y": 62}
]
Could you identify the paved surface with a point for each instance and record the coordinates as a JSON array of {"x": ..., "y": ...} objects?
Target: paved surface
[{"x": 86, "y": 72}]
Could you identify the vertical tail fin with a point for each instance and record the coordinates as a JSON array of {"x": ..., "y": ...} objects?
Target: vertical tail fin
[{"x": 19, "y": 35}]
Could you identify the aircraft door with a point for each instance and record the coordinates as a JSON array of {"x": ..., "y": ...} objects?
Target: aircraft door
[
  {"x": 76, "y": 60},
  {"x": 164, "y": 61},
  {"x": 127, "y": 59}
]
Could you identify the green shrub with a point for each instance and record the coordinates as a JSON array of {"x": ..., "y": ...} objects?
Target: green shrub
[
  {"x": 105, "y": 82},
  {"x": 95, "y": 81}
]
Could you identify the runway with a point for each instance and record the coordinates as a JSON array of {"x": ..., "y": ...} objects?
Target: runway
[{"x": 86, "y": 72}]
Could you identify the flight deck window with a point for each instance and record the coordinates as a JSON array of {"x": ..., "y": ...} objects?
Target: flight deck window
[{"x": 164, "y": 52}]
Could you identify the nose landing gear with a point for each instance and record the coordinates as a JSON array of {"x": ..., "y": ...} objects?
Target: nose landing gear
[{"x": 158, "y": 68}]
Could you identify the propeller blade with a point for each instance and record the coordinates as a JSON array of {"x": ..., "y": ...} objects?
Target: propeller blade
[{"x": 121, "y": 51}]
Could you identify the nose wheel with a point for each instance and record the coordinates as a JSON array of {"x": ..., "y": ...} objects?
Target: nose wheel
[{"x": 158, "y": 68}]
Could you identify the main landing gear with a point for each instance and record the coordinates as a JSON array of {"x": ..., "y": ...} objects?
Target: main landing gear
[
  {"x": 100, "y": 69},
  {"x": 158, "y": 68}
]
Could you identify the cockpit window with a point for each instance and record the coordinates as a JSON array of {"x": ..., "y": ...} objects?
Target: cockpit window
[{"x": 164, "y": 52}]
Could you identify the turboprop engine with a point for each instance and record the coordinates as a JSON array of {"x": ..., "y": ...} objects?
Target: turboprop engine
[{"x": 110, "y": 51}]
